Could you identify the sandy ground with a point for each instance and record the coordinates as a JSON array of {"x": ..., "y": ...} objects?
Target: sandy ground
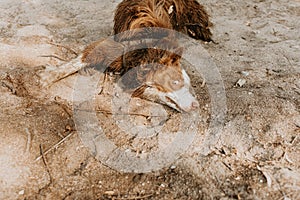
[{"x": 256, "y": 156}]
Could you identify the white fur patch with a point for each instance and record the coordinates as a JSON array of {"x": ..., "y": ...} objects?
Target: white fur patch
[
  {"x": 183, "y": 97},
  {"x": 171, "y": 9},
  {"x": 180, "y": 100},
  {"x": 186, "y": 78}
]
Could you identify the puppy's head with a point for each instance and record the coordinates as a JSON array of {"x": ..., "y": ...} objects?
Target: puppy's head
[{"x": 168, "y": 83}]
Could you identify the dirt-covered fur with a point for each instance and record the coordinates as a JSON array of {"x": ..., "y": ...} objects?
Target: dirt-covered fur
[
  {"x": 152, "y": 70},
  {"x": 186, "y": 16}
]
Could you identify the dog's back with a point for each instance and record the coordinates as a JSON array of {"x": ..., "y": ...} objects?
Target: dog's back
[
  {"x": 186, "y": 16},
  {"x": 135, "y": 14}
]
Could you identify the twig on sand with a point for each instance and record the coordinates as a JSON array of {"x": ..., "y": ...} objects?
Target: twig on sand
[
  {"x": 45, "y": 163},
  {"x": 266, "y": 175},
  {"x": 53, "y": 56},
  {"x": 203, "y": 83},
  {"x": 294, "y": 140},
  {"x": 55, "y": 146},
  {"x": 28, "y": 144},
  {"x": 68, "y": 48},
  {"x": 126, "y": 114},
  {"x": 131, "y": 197}
]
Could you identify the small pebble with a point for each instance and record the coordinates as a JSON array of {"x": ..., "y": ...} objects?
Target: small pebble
[
  {"x": 22, "y": 192},
  {"x": 245, "y": 73},
  {"x": 173, "y": 167},
  {"x": 241, "y": 82},
  {"x": 68, "y": 127},
  {"x": 110, "y": 193}
]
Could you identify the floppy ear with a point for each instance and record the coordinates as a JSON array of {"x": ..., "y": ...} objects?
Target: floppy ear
[{"x": 139, "y": 91}]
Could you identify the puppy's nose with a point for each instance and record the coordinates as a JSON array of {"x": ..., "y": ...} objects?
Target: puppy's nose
[{"x": 195, "y": 105}]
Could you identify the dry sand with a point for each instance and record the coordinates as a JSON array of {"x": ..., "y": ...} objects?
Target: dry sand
[{"x": 256, "y": 156}]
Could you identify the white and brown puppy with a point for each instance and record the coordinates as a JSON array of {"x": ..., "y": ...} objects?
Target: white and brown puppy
[{"x": 152, "y": 71}]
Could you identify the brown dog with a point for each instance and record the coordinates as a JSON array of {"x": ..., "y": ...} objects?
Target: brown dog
[{"x": 151, "y": 70}]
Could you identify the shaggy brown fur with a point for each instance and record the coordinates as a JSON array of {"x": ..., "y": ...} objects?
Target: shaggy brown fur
[
  {"x": 104, "y": 54},
  {"x": 109, "y": 55},
  {"x": 152, "y": 70},
  {"x": 186, "y": 16},
  {"x": 148, "y": 62}
]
